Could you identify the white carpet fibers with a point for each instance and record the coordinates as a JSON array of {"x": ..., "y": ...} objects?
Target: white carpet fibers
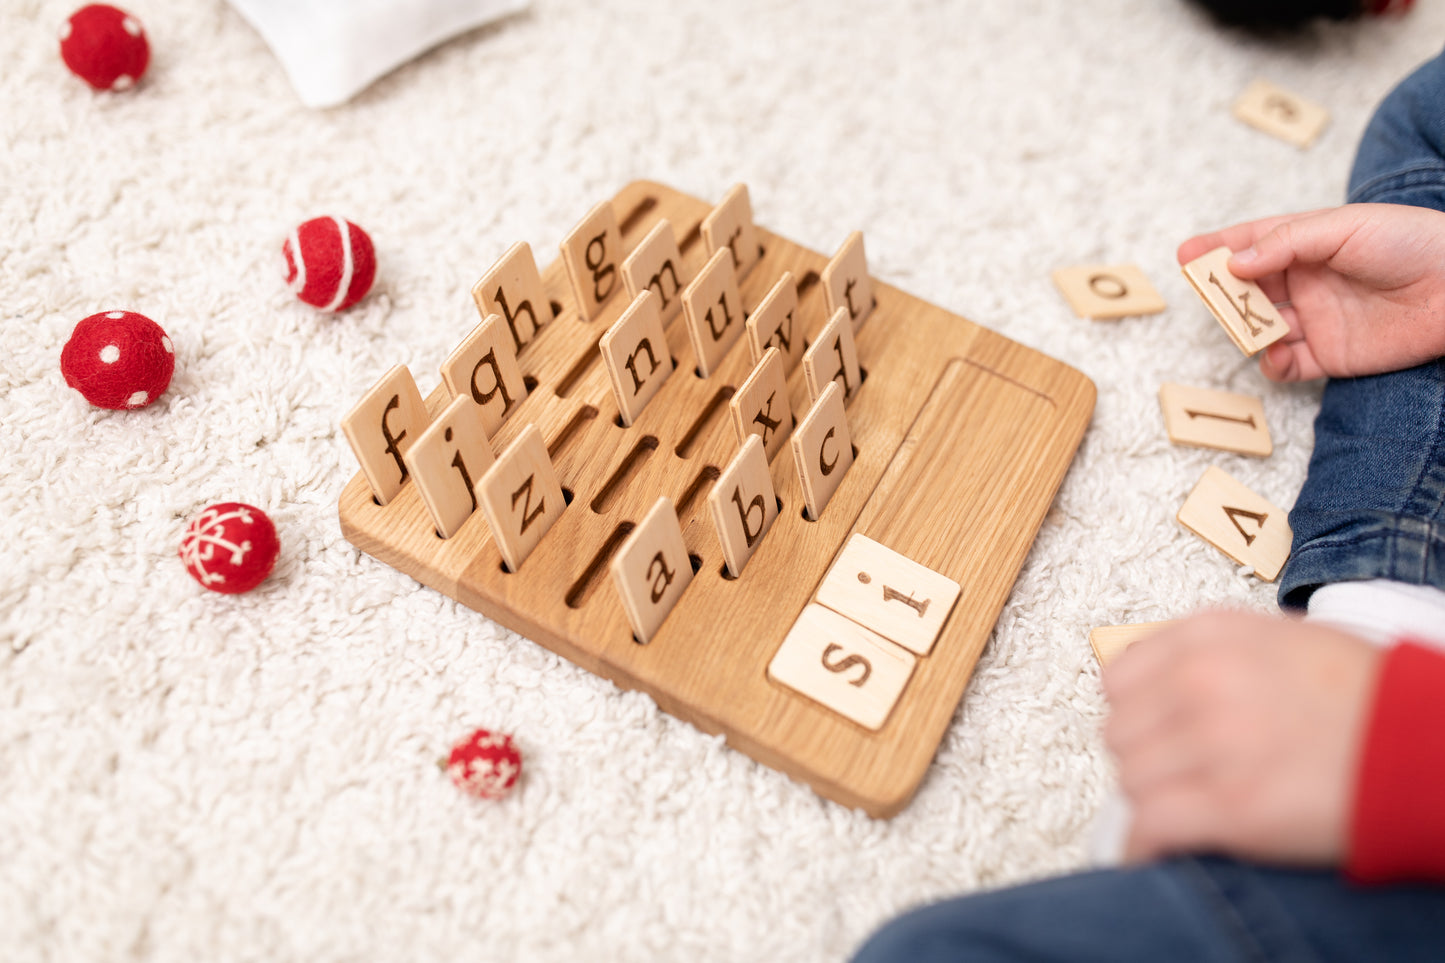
[{"x": 187, "y": 776}]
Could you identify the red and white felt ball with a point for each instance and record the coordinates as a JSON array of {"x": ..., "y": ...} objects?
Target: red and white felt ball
[
  {"x": 330, "y": 263},
  {"x": 105, "y": 47},
  {"x": 485, "y": 764},
  {"x": 118, "y": 359},
  {"x": 230, "y": 547}
]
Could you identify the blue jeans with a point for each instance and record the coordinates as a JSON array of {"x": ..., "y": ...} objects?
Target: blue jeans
[
  {"x": 1183, "y": 911},
  {"x": 1371, "y": 507},
  {"x": 1373, "y": 502}
]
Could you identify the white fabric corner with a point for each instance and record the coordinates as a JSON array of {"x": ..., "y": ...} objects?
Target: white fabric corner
[
  {"x": 332, "y": 49},
  {"x": 1382, "y": 611}
]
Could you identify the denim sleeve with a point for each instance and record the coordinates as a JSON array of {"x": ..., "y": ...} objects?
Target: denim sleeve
[
  {"x": 1373, "y": 501},
  {"x": 1401, "y": 157}
]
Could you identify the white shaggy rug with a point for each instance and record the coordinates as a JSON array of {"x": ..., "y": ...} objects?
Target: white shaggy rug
[{"x": 188, "y": 776}]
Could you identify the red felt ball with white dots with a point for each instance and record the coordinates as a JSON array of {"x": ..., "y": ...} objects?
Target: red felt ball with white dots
[
  {"x": 485, "y": 764},
  {"x": 330, "y": 263},
  {"x": 118, "y": 359},
  {"x": 230, "y": 547},
  {"x": 105, "y": 47}
]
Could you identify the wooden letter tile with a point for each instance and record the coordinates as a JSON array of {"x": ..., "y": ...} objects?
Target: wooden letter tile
[
  {"x": 446, "y": 461},
  {"x": 730, "y": 225},
  {"x": 773, "y": 323},
  {"x": 889, "y": 593},
  {"x": 744, "y": 504},
  {"x": 513, "y": 288},
  {"x": 760, "y": 406},
  {"x": 846, "y": 283},
  {"x": 592, "y": 253},
  {"x": 1278, "y": 112},
  {"x": 485, "y": 367},
  {"x": 1106, "y": 292},
  {"x": 382, "y": 426},
  {"x": 652, "y": 569},
  {"x": 1241, "y": 524},
  {"x": 1247, "y": 315},
  {"x": 839, "y": 663},
  {"x": 833, "y": 357},
  {"x": 1215, "y": 419},
  {"x": 635, "y": 352},
  {"x": 823, "y": 449},
  {"x": 521, "y": 497},
  {"x": 713, "y": 307},
  {"x": 656, "y": 263},
  {"x": 1110, "y": 641}
]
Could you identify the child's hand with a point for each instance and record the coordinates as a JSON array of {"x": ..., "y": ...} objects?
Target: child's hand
[
  {"x": 1240, "y": 734},
  {"x": 1365, "y": 285}
]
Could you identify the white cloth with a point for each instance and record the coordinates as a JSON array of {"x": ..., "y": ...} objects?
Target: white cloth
[
  {"x": 1382, "y": 611},
  {"x": 333, "y": 49}
]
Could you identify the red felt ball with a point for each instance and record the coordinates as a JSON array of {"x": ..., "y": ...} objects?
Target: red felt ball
[
  {"x": 230, "y": 547},
  {"x": 105, "y": 47},
  {"x": 118, "y": 359},
  {"x": 485, "y": 764},
  {"x": 330, "y": 263}
]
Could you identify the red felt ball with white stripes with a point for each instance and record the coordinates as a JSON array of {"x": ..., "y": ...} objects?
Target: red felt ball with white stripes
[
  {"x": 118, "y": 359},
  {"x": 485, "y": 764},
  {"x": 105, "y": 47},
  {"x": 230, "y": 547},
  {"x": 330, "y": 263}
]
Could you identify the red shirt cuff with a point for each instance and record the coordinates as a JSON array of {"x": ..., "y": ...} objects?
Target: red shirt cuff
[{"x": 1398, "y": 827}]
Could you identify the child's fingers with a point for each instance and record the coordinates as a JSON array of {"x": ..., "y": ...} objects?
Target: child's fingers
[
  {"x": 1309, "y": 239},
  {"x": 1178, "y": 818},
  {"x": 1276, "y": 288},
  {"x": 1232, "y": 237},
  {"x": 1198, "y": 246},
  {"x": 1290, "y": 360},
  {"x": 1235, "y": 238}
]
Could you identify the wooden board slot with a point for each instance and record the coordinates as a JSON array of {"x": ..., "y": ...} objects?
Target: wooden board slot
[
  {"x": 584, "y": 363},
  {"x": 574, "y": 424},
  {"x": 587, "y": 582},
  {"x": 629, "y": 465},
  {"x": 691, "y": 238},
  {"x": 713, "y": 410},
  {"x": 700, "y": 486},
  {"x": 636, "y": 213}
]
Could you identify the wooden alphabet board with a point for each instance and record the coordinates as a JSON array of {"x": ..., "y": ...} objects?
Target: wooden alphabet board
[{"x": 962, "y": 437}]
